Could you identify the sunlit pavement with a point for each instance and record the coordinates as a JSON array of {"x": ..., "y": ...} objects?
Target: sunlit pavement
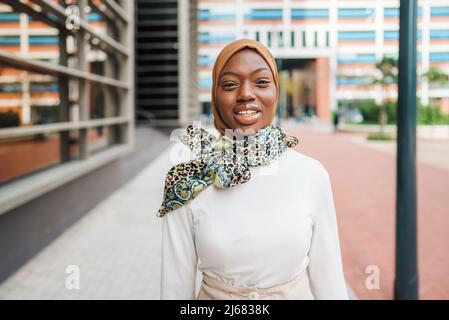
[
  {"x": 116, "y": 246},
  {"x": 363, "y": 179}
]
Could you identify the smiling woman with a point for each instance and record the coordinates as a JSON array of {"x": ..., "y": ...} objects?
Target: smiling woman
[
  {"x": 246, "y": 93},
  {"x": 256, "y": 218},
  {"x": 245, "y": 87}
]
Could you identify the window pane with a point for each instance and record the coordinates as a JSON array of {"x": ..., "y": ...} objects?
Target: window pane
[{"x": 20, "y": 156}]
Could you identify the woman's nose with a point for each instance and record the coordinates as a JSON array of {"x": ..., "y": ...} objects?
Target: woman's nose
[{"x": 246, "y": 92}]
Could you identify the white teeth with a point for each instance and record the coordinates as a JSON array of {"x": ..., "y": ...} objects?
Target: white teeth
[{"x": 247, "y": 112}]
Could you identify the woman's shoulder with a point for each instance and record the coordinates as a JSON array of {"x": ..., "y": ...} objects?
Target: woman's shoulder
[{"x": 299, "y": 162}]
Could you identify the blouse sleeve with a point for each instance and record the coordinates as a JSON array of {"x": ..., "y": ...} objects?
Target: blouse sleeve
[
  {"x": 179, "y": 257},
  {"x": 325, "y": 267}
]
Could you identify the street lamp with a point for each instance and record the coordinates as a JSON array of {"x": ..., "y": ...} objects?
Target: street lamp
[{"x": 406, "y": 278}]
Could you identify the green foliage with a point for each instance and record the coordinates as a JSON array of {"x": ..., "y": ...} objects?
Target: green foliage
[
  {"x": 388, "y": 74},
  {"x": 388, "y": 68},
  {"x": 430, "y": 114},
  {"x": 380, "y": 136},
  {"x": 370, "y": 111},
  {"x": 390, "y": 108},
  {"x": 435, "y": 75}
]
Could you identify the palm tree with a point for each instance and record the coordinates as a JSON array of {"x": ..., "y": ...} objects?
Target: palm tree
[{"x": 387, "y": 74}]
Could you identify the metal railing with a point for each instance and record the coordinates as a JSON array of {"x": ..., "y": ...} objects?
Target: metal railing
[{"x": 117, "y": 84}]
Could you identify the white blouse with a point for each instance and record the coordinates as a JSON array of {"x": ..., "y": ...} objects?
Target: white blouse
[{"x": 260, "y": 233}]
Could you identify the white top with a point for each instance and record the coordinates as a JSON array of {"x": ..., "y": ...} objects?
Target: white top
[{"x": 260, "y": 233}]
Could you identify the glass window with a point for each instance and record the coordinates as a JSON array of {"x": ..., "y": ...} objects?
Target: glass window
[
  {"x": 357, "y": 58},
  {"x": 93, "y": 17},
  {"x": 9, "y": 40},
  {"x": 356, "y": 12},
  {"x": 206, "y": 37},
  {"x": 265, "y": 14},
  {"x": 43, "y": 40},
  {"x": 356, "y": 35},
  {"x": 300, "y": 14},
  {"x": 24, "y": 155},
  {"x": 439, "y": 56},
  {"x": 203, "y": 14},
  {"x": 439, "y": 11},
  {"x": 207, "y": 14},
  {"x": 394, "y": 34},
  {"x": 439, "y": 34},
  {"x": 394, "y": 12},
  {"x": 9, "y": 17}
]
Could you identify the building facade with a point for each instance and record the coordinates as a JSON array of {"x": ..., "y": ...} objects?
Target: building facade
[
  {"x": 66, "y": 92},
  {"x": 66, "y": 116},
  {"x": 68, "y": 135},
  {"x": 326, "y": 50},
  {"x": 74, "y": 74}
]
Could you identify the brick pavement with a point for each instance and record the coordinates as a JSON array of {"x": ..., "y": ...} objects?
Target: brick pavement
[{"x": 363, "y": 180}]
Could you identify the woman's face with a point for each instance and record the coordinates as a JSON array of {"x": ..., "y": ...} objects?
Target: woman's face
[{"x": 246, "y": 92}]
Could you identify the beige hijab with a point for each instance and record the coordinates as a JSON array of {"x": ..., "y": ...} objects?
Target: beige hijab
[{"x": 226, "y": 53}]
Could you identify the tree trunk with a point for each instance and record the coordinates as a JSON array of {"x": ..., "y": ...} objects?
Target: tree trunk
[{"x": 383, "y": 117}]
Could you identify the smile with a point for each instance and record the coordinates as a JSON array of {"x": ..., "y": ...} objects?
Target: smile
[{"x": 247, "y": 114}]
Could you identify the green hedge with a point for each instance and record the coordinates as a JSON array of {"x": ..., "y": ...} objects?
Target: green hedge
[
  {"x": 370, "y": 111},
  {"x": 430, "y": 114}
]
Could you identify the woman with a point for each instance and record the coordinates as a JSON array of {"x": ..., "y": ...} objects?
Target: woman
[{"x": 255, "y": 217}]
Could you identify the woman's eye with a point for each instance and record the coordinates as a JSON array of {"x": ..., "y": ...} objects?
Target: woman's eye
[
  {"x": 263, "y": 81},
  {"x": 228, "y": 85}
]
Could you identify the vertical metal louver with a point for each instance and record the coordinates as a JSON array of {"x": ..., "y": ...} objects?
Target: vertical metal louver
[{"x": 166, "y": 81}]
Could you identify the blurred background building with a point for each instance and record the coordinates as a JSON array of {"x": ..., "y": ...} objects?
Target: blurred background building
[{"x": 327, "y": 49}]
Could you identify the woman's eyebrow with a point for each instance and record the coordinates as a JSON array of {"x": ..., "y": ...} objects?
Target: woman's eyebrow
[
  {"x": 260, "y": 69},
  {"x": 236, "y": 74}
]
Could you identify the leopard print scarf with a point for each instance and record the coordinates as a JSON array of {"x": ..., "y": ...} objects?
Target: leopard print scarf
[{"x": 223, "y": 161}]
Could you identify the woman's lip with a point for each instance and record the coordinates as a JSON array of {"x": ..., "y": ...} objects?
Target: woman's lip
[
  {"x": 247, "y": 119},
  {"x": 245, "y": 107}
]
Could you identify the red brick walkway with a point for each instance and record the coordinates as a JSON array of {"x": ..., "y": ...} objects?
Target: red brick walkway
[{"x": 363, "y": 181}]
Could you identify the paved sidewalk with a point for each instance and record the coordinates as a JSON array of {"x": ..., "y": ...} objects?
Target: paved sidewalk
[
  {"x": 116, "y": 247},
  {"x": 363, "y": 179}
]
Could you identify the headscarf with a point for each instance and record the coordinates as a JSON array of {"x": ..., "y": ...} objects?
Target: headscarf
[{"x": 226, "y": 53}]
